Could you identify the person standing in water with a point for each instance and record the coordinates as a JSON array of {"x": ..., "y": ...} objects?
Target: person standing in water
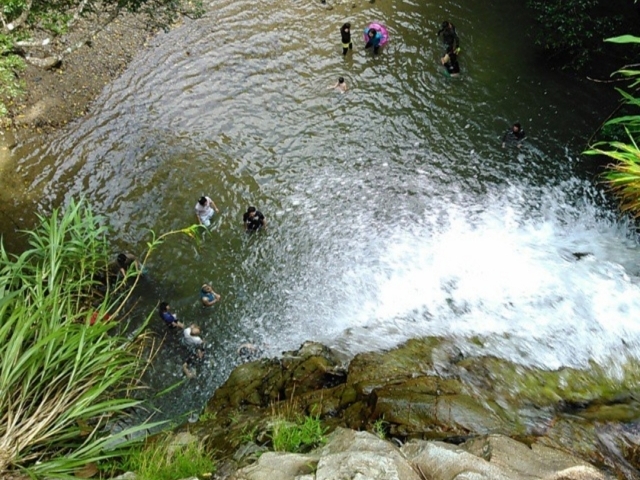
[
  {"x": 340, "y": 85},
  {"x": 205, "y": 209},
  {"x": 514, "y": 135},
  {"x": 450, "y": 37},
  {"x": 345, "y": 33},
  {"x": 374, "y": 39},
  {"x": 254, "y": 220}
]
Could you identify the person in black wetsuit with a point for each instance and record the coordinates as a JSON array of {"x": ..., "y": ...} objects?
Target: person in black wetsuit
[
  {"x": 254, "y": 220},
  {"x": 345, "y": 33},
  {"x": 450, "y": 37},
  {"x": 514, "y": 135}
]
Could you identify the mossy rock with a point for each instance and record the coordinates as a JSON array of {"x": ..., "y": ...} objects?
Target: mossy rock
[{"x": 375, "y": 370}]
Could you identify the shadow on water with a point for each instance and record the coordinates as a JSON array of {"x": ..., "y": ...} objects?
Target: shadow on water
[{"x": 392, "y": 209}]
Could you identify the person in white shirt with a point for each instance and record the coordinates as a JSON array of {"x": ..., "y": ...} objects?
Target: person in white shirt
[
  {"x": 205, "y": 209},
  {"x": 192, "y": 336}
]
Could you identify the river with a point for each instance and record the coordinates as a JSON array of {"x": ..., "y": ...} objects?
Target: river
[{"x": 393, "y": 210}]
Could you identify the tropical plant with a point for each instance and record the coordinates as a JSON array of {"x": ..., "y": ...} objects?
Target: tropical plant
[
  {"x": 623, "y": 176},
  {"x": 65, "y": 375}
]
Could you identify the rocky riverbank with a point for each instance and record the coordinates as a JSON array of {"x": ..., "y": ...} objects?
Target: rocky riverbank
[
  {"x": 433, "y": 403},
  {"x": 56, "y": 96}
]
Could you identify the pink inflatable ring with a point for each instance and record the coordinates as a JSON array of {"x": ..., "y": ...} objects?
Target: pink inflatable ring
[{"x": 381, "y": 29}]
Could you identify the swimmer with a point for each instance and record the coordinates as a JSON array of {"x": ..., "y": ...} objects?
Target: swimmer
[
  {"x": 450, "y": 37},
  {"x": 194, "y": 360},
  {"x": 340, "y": 85},
  {"x": 345, "y": 33},
  {"x": 205, "y": 209},
  {"x": 192, "y": 336},
  {"x": 171, "y": 320},
  {"x": 373, "y": 39},
  {"x": 514, "y": 135},
  {"x": 207, "y": 296}
]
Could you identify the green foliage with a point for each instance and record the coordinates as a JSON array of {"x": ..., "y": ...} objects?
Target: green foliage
[
  {"x": 570, "y": 31},
  {"x": 62, "y": 380},
  {"x": 623, "y": 176},
  {"x": 162, "y": 460},
  {"x": 380, "y": 428},
  {"x": 11, "y": 88},
  {"x": 300, "y": 436}
]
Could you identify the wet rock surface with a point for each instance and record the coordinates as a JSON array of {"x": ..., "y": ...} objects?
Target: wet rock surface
[{"x": 425, "y": 390}]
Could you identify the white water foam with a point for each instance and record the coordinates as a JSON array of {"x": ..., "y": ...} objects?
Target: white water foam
[{"x": 504, "y": 273}]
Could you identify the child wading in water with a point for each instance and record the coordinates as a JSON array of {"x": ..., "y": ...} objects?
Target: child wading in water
[
  {"x": 345, "y": 33},
  {"x": 340, "y": 85}
]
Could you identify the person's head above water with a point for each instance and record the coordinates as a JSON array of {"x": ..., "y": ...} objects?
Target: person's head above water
[
  {"x": 341, "y": 80},
  {"x": 202, "y": 201},
  {"x": 517, "y": 127},
  {"x": 372, "y": 32},
  {"x": 164, "y": 306},
  {"x": 346, "y": 26},
  {"x": 251, "y": 211},
  {"x": 122, "y": 259}
]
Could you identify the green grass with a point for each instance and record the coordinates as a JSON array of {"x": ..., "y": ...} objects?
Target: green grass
[
  {"x": 299, "y": 436},
  {"x": 163, "y": 461}
]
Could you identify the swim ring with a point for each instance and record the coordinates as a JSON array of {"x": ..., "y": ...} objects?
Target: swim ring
[{"x": 378, "y": 28}]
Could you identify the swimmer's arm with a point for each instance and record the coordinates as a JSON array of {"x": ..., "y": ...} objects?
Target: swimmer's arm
[
  {"x": 215, "y": 206},
  {"x": 333, "y": 86}
]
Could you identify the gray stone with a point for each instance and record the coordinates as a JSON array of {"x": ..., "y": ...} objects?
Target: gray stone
[
  {"x": 496, "y": 457},
  {"x": 361, "y": 465},
  {"x": 280, "y": 466},
  {"x": 361, "y": 455},
  {"x": 578, "y": 473},
  {"x": 441, "y": 461}
]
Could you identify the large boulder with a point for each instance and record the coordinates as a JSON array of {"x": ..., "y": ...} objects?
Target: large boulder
[{"x": 496, "y": 457}]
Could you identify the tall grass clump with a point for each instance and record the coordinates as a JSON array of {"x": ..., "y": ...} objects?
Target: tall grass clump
[
  {"x": 162, "y": 460},
  {"x": 62, "y": 380},
  {"x": 623, "y": 175}
]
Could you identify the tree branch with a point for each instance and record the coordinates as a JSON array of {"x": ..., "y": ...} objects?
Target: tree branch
[
  {"x": 77, "y": 14},
  {"x": 55, "y": 60},
  {"x": 20, "y": 20}
]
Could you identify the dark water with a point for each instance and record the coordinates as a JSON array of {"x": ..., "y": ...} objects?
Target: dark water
[{"x": 393, "y": 211}]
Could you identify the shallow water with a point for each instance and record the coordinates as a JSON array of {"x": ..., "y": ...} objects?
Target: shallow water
[{"x": 393, "y": 212}]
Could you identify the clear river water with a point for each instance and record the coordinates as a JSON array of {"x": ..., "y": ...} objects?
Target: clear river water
[{"x": 393, "y": 210}]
